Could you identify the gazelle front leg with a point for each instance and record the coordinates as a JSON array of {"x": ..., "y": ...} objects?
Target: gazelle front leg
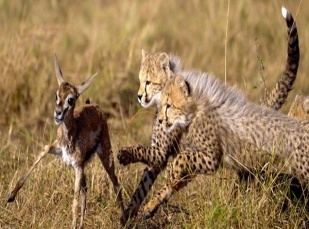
[
  {"x": 53, "y": 149},
  {"x": 84, "y": 198},
  {"x": 79, "y": 182}
]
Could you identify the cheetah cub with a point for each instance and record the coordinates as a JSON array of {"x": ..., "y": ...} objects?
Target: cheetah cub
[
  {"x": 224, "y": 129},
  {"x": 156, "y": 69}
]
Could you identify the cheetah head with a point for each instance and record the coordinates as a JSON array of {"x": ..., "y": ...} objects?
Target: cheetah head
[
  {"x": 177, "y": 107},
  {"x": 154, "y": 73}
]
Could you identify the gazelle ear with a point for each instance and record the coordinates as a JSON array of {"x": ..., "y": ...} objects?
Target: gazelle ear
[
  {"x": 84, "y": 85},
  {"x": 58, "y": 71},
  {"x": 182, "y": 85}
]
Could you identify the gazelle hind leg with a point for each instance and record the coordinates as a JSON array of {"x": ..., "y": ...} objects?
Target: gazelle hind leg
[
  {"x": 185, "y": 166},
  {"x": 106, "y": 156},
  {"x": 118, "y": 192},
  {"x": 47, "y": 149}
]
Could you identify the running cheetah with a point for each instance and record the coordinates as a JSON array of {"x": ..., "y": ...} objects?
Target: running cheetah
[
  {"x": 156, "y": 70},
  {"x": 224, "y": 129}
]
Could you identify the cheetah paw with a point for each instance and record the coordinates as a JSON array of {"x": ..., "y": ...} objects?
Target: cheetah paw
[
  {"x": 124, "y": 156},
  {"x": 150, "y": 209}
]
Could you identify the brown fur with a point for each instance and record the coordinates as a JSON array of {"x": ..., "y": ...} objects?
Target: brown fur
[{"x": 82, "y": 132}]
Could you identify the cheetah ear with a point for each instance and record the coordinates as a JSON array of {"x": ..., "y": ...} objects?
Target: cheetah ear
[
  {"x": 306, "y": 105},
  {"x": 297, "y": 97},
  {"x": 144, "y": 53},
  {"x": 182, "y": 85},
  {"x": 163, "y": 61}
]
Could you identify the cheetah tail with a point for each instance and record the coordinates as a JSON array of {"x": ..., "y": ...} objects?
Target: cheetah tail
[{"x": 279, "y": 94}]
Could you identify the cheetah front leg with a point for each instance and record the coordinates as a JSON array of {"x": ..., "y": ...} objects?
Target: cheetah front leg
[
  {"x": 149, "y": 155},
  {"x": 185, "y": 166},
  {"x": 155, "y": 156},
  {"x": 148, "y": 178},
  {"x": 162, "y": 146}
]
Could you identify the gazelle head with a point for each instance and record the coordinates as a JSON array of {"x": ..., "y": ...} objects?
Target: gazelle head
[{"x": 66, "y": 95}]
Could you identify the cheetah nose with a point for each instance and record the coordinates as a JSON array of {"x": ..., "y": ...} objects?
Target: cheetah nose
[
  {"x": 139, "y": 97},
  {"x": 160, "y": 121}
]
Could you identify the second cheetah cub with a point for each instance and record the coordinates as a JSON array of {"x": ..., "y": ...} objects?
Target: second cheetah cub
[{"x": 224, "y": 129}]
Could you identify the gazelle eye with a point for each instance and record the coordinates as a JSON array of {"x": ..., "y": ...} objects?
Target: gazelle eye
[
  {"x": 147, "y": 82},
  {"x": 70, "y": 101}
]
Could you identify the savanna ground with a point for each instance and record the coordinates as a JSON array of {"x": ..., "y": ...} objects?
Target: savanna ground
[{"x": 243, "y": 42}]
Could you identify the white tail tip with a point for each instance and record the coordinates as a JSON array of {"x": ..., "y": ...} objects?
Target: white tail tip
[{"x": 284, "y": 12}]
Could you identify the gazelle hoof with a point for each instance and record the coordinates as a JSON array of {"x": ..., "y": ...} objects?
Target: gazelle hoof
[{"x": 11, "y": 199}]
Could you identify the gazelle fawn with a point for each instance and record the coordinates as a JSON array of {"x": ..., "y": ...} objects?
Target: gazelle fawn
[{"x": 82, "y": 132}]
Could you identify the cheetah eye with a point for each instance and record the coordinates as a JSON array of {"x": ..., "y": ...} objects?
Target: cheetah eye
[
  {"x": 168, "y": 106},
  {"x": 70, "y": 101},
  {"x": 147, "y": 82}
]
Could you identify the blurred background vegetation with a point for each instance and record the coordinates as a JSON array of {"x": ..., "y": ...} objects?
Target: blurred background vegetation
[{"x": 241, "y": 41}]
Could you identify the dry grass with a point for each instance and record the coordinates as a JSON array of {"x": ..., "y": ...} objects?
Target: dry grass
[{"x": 107, "y": 37}]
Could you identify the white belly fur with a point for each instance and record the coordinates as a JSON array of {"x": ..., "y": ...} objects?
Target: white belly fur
[{"x": 67, "y": 158}]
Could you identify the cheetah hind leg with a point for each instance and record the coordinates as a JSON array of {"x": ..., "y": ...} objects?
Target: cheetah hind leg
[
  {"x": 162, "y": 197},
  {"x": 167, "y": 191},
  {"x": 185, "y": 166}
]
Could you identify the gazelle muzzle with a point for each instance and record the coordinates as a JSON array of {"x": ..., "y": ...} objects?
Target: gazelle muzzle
[{"x": 59, "y": 114}]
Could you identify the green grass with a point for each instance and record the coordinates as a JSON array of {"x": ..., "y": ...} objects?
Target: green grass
[{"x": 107, "y": 37}]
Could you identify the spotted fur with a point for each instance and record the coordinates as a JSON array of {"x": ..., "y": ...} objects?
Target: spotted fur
[
  {"x": 224, "y": 129},
  {"x": 284, "y": 85},
  {"x": 156, "y": 69}
]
